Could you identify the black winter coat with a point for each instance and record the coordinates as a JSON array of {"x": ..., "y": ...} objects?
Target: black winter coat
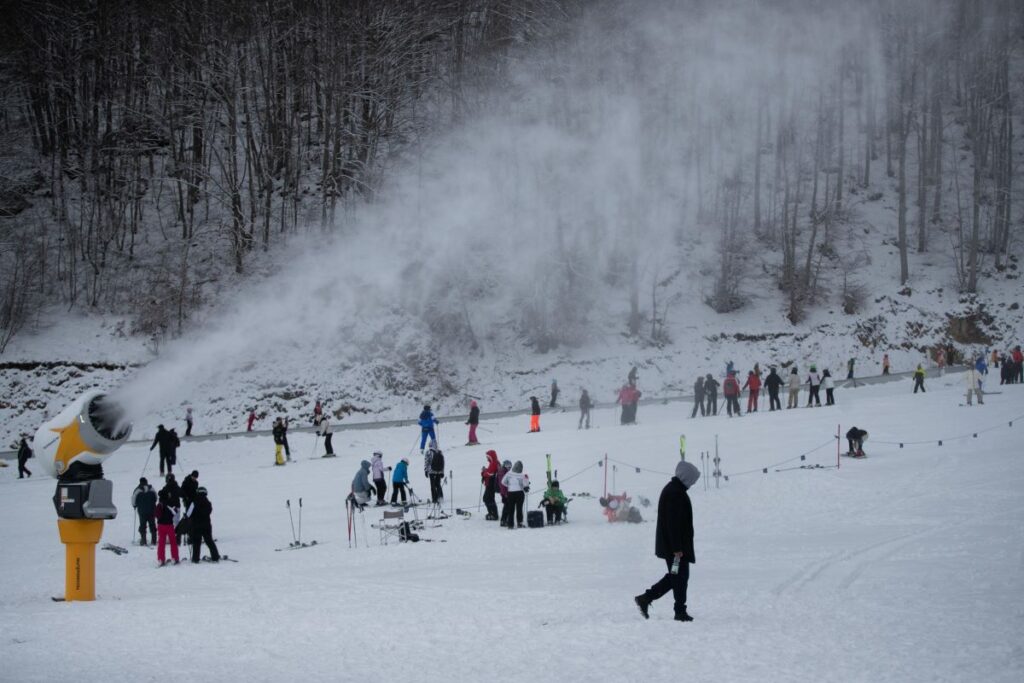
[
  {"x": 278, "y": 433},
  {"x": 534, "y": 407},
  {"x": 24, "y": 452},
  {"x": 698, "y": 389},
  {"x": 711, "y": 387},
  {"x": 773, "y": 382},
  {"x": 202, "y": 508},
  {"x": 675, "y": 522},
  {"x": 437, "y": 463},
  {"x": 173, "y": 494},
  {"x": 188, "y": 489},
  {"x": 145, "y": 501},
  {"x": 474, "y": 416}
]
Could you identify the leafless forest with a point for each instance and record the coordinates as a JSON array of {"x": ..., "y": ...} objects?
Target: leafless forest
[{"x": 155, "y": 155}]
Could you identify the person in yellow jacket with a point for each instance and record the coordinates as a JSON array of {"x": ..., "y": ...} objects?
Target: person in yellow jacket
[{"x": 919, "y": 379}]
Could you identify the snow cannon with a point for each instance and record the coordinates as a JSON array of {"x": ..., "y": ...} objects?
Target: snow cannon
[{"x": 72, "y": 447}]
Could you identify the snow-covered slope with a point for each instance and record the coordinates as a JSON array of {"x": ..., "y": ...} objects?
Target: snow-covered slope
[{"x": 905, "y": 566}]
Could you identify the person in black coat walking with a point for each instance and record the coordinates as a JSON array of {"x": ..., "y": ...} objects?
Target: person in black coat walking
[
  {"x": 168, "y": 443},
  {"x": 144, "y": 502},
  {"x": 698, "y": 397},
  {"x": 674, "y": 542},
  {"x": 201, "y": 526},
  {"x": 774, "y": 383},
  {"x": 189, "y": 486},
  {"x": 24, "y": 453},
  {"x": 585, "y": 405}
]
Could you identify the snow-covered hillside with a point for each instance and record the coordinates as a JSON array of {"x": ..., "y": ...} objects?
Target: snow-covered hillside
[{"x": 901, "y": 567}]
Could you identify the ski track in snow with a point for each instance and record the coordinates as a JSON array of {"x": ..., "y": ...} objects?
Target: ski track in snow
[{"x": 906, "y": 566}]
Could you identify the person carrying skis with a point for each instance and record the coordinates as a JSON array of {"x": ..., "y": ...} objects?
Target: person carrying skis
[
  {"x": 437, "y": 477},
  {"x": 165, "y": 531},
  {"x": 554, "y": 394},
  {"x": 201, "y": 526},
  {"x": 774, "y": 383},
  {"x": 794, "y": 389},
  {"x": 698, "y": 398},
  {"x": 534, "y": 415},
  {"x": 361, "y": 487},
  {"x": 585, "y": 405},
  {"x": 506, "y": 507},
  {"x": 188, "y": 421},
  {"x": 814, "y": 380},
  {"x": 377, "y": 470},
  {"x": 731, "y": 390},
  {"x": 919, "y": 378},
  {"x": 673, "y": 542},
  {"x": 553, "y": 503},
  {"x": 711, "y": 394},
  {"x": 165, "y": 440},
  {"x": 251, "y": 420},
  {"x": 24, "y": 453},
  {"x": 473, "y": 421},
  {"x": 399, "y": 480},
  {"x": 427, "y": 422},
  {"x": 753, "y": 383},
  {"x": 517, "y": 483},
  {"x": 855, "y": 438},
  {"x": 144, "y": 502},
  {"x": 885, "y": 364},
  {"x": 278, "y": 433},
  {"x": 488, "y": 477},
  {"x": 327, "y": 433},
  {"x": 830, "y": 387},
  {"x": 973, "y": 381}
]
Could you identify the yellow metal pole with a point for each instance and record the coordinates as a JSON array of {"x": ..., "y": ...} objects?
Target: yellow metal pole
[{"x": 80, "y": 537}]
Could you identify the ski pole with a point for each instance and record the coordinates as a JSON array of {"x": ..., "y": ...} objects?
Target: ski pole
[
  {"x": 451, "y": 489},
  {"x": 300, "y": 521},
  {"x": 146, "y": 465},
  {"x": 288, "y": 504},
  {"x": 316, "y": 440},
  {"x": 480, "y": 497}
]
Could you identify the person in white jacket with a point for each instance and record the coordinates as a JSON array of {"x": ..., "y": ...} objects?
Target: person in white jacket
[
  {"x": 826, "y": 381},
  {"x": 325, "y": 430},
  {"x": 973, "y": 384},
  {"x": 794, "y": 389},
  {"x": 518, "y": 484},
  {"x": 814, "y": 380},
  {"x": 377, "y": 470}
]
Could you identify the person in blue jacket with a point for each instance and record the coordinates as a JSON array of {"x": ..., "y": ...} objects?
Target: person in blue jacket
[
  {"x": 981, "y": 366},
  {"x": 427, "y": 422},
  {"x": 399, "y": 479}
]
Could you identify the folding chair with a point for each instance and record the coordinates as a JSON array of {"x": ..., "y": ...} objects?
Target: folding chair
[{"x": 391, "y": 526}]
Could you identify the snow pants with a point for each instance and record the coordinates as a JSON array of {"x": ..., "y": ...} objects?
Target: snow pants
[
  {"x": 712, "y": 403},
  {"x": 752, "y": 400},
  {"x": 584, "y": 415},
  {"x": 22, "y": 470},
  {"x": 188, "y": 427},
  {"x": 472, "y": 434},
  {"x": 554, "y": 512},
  {"x": 396, "y": 488},
  {"x": 677, "y": 583},
  {"x": 514, "y": 503},
  {"x": 732, "y": 404},
  {"x": 535, "y": 423},
  {"x": 166, "y": 535},
  {"x": 814, "y": 396},
  {"x": 424, "y": 434},
  {"x": 981, "y": 402},
  {"x": 919, "y": 384},
  {"x": 506, "y": 510},
  {"x": 436, "y": 490},
  {"x": 698, "y": 404},
  {"x": 168, "y": 460},
  {"x": 794, "y": 398},
  {"x": 830, "y": 399},
  {"x": 773, "y": 400},
  {"x": 328, "y": 448},
  {"x": 381, "y": 486},
  {"x": 492, "y": 508},
  {"x": 147, "y": 523},
  {"x": 203, "y": 533},
  {"x": 278, "y": 460}
]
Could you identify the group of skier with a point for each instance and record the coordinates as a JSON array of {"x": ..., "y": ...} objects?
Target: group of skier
[
  {"x": 176, "y": 512},
  {"x": 705, "y": 390}
]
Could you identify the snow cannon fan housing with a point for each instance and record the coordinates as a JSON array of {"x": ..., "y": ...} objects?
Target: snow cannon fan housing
[{"x": 73, "y": 445}]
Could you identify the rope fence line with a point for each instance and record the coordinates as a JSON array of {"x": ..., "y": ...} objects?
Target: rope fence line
[{"x": 803, "y": 456}]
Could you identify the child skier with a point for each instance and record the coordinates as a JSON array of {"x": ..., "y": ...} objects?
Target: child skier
[
  {"x": 554, "y": 503},
  {"x": 399, "y": 480},
  {"x": 919, "y": 379}
]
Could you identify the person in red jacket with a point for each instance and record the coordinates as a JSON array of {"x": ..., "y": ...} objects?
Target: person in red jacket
[
  {"x": 754, "y": 384},
  {"x": 629, "y": 398},
  {"x": 1018, "y": 359},
  {"x": 488, "y": 477},
  {"x": 731, "y": 391},
  {"x": 252, "y": 418}
]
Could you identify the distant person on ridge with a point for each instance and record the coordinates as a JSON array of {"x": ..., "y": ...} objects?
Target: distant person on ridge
[
  {"x": 919, "y": 378},
  {"x": 427, "y": 422},
  {"x": 554, "y": 394},
  {"x": 753, "y": 383},
  {"x": 473, "y": 421},
  {"x": 885, "y": 364},
  {"x": 24, "y": 453},
  {"x": 534, "y": 414},
  {"x": 188, "y": 421},
  {"x": 585, "y": 405},
  {"x": 774, "y": 383},
  {"x": 711, "y": 394},
  {"x": 849, "y": 369},
  {"x": 940, "y": 360},
  {"x": 318, "y": 412},
  {"x": 698, "y": 397},
  {"x": 251, "y": 420}
]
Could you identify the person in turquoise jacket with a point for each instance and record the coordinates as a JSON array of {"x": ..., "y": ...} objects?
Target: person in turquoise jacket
[
  {"x": 399, "y": 479},
  {"x": 554, "y": 503}
]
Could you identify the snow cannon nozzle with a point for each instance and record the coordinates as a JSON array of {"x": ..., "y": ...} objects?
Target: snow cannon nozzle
[{"x": 77, "y": 441}]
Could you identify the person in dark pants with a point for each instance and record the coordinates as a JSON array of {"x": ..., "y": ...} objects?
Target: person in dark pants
[
  {"x": 711, "y": 394},
  {"x": 731, "y": 389},
  {"x": 189, "y": 485},
  {"x": 856, "y": 437},
  {"x": 774, "y": 383},
  {"x": 674, "y": 542},
  {"x": 201, "y": 526},
  {"x": 698, "y": 397},
  {"x": 585, "y": 405},
  {"x": 473, "y": 421},
  {"x": 24, "y": 453},
  {"x": 517, "y": 483},
  {"x": 166, "y": 441},
  {"x": 919, "y": 379},
  {"x": 399, "y": 480},
  {"x": 325, "y": 430},
  {"x": 488, "y": 477},
  {"x": 437, "y": 477},
  {"x": 506, "y": 506},
  {"x": 144, "y": 502},
  {"x": 188, "y": 422},
  {"x": 555, "y": 391}
]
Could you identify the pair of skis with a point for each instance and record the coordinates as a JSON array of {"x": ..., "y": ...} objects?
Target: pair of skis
[{"x": 297, "y": 542}]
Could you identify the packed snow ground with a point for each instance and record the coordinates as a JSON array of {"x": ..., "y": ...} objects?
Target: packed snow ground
[{"x": 906, "y": 566}]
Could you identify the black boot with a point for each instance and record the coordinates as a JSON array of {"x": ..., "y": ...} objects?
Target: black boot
[
  {"x": 642, "y": 603},
  {"x": 683, "y": 616}
]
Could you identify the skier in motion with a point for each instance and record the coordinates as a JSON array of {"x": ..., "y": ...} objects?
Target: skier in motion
[
  {"x": 534, "y": 414},
  {"x": 427, "y": 422}
]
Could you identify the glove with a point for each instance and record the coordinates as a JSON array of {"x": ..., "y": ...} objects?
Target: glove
[
  {"x": 318, "y": 433},
  {"x": 526, "y": 488}
]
